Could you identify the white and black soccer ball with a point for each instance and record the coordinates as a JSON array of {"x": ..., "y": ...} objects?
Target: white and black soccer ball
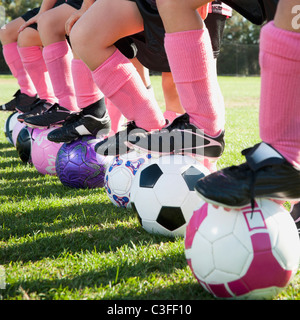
[
  {"x": 119, "y": 176},
  {"x": 16, "y": 130},
  {"x": 9, "y": 125},
  {"x": 245, "y": 254},
  {"x": 163, "y": 194}
]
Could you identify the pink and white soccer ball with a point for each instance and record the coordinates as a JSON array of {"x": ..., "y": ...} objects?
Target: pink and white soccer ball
[
  {"x": 44, "y": 152},
  {"x": 240, "y": 254}
]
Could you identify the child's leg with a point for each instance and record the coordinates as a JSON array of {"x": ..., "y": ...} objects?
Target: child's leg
[
  {"x": 9, "y": 37},
  {"x": 280, "y": 72},
  {"x": 190, "y": 55},
  {"x": 57, "y": 54},
  {"x": 112, "y": 72},
  {"x": 30, "y": 50},
  {"x": 270, "y": 171}
]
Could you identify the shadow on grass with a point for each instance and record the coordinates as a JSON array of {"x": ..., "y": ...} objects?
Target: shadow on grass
[
  {"x": 45, "y": 219},
  {"x": 104, "y": 284}
]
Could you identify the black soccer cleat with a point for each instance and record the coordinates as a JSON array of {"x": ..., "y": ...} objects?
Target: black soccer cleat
[
  {"x": 56, "y": 115},
  {"x": 266, "y": 174},
  {"x": 27, "y": 107},
  {"x": 38, "y": 109},
  {"x": 18, "y": 100},
  {"x": 180, "y": 137},
  {"x": 79, "y": 125},
  {"x": 117, "y": 144}
]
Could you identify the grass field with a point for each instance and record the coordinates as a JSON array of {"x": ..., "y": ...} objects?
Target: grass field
[{"x": 58, "y": 243}]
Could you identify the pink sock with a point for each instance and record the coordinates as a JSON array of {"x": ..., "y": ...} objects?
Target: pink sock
[
  {"x": 193, "y": 68},
  {"x": 58, "y": 57},
  {"x": 86, "y": 90},
  {"x": 14, "y": 62},
  {"x": 34, "y": 63},
  {"x": 280, "y": 98},
  {"x": 119, "y": 81},
  {"x": 115, "y": 115}
]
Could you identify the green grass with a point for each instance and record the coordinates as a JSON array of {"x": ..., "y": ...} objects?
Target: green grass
[{"x": 60, "y": 243}]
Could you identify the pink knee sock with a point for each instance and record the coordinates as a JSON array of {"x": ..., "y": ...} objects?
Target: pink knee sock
[
  {"x": 58, "y": 57},
  {"x": 280, "y": 98},
  {"x": 115, "y": 115},
  {"x": 14, "y": 62},
  {"x": 34, "y": 64},
  {"x": 119, "y": 81},
  {"x": 193, "y": 68},
  {"x": 86, "y": 90}
]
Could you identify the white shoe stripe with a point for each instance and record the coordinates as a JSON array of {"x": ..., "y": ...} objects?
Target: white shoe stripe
[{"x": 82, "y": 130}]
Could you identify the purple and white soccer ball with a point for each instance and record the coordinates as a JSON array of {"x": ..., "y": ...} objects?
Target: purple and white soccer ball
[
  {"x": 243, "y": 254},
  {"x": 79, "y": 166},
  {"x": 119, "y": 176},
  {"x": 44, "y": 152}
]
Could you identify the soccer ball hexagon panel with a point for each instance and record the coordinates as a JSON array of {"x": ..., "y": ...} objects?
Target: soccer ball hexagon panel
[{"x": 163, "y": 196}]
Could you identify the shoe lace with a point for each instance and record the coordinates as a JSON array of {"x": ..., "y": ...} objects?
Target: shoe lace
[
  {"x": 72, "y": 118},
  {"x": 56, "y": 107},
  {"x": 244, "y": 169},
  {"x": 37, "y": 108}
]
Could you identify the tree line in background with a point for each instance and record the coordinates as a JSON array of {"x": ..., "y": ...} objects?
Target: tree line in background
[
  {"x": 240, "y": 48},
  {"x": 239, "y": 51}
]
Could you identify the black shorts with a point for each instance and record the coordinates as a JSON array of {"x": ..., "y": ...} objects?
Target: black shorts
[
  {"x": 148, "y": 46},
  {"x": 256, "y": 11},
  {"x": 31, "y": 13},
  {"x": 215, "y": 24}
]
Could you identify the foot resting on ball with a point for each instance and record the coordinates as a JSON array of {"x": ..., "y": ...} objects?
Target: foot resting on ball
[{"x": 265, "y": 174}]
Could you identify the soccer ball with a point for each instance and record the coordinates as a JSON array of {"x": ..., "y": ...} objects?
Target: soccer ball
[
  {"x": 243, "y": 254},
  {"x": 23, "y": 144},
  {"x": 163, "y": 194},
  {"x": 79, "y": 166},
  {"x": 119, "y": 176},
  {"x": 44, "y": 152},
  {"x": 9, "y": 125},
  {"x": 16, "y": 130}
]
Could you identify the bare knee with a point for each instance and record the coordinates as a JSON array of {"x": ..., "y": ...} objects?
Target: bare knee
[
  {"x": 6, "y": 36},
  {"x": 29, "y": 37},
  {"x": 79, "y": 41},
  {"x": 9, "y": 32},
  {"x": 93, "y": 52},
  {"x": 50, "y": 25}
]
